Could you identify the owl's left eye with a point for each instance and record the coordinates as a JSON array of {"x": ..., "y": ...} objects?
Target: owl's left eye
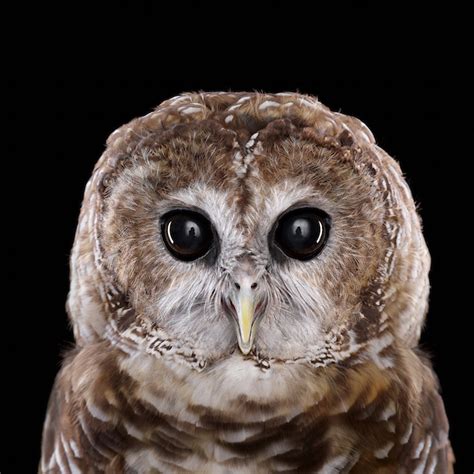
[
  {"x": 187, "y": 234},
  {"x": 301, "y": 233}
]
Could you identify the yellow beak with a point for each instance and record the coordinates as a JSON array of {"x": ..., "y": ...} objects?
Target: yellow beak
[{"x": 245, "y": 318}]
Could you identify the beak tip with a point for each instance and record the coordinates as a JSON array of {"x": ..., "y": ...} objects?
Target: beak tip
[{"x": 245, "y": 348}]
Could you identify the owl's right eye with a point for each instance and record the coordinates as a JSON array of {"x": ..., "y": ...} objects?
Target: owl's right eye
[{"x": 187, "y": 234}]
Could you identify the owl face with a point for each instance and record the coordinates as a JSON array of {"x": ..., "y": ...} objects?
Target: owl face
[
  {"x": 277, "y": 263},
  {"x": 258, "y": 226}
]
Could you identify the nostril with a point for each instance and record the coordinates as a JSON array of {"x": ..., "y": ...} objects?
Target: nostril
[
  {"x": 253, "y": 285},
  {"x": 237, "y": 285}
]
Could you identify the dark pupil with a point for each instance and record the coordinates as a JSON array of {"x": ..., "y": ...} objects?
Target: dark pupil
[
  {"x": 187, "y": 235},
  {"x": 302, "y": 234}
]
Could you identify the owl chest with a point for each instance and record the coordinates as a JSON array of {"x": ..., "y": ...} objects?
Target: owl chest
[
  {"x": 244, "y": 449},
  {"x": 208, "y": 440},
  {"x": 239, "y": 420}
]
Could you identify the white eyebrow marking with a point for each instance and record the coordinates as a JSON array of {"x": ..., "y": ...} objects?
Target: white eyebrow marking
[
  {"x": 190, "y": 110},
  {"x": 383, "y": 452},
  {"x": 267, "y": 104},
  {"x": 388, "y": 412},
  {"x": 406, "y": 436},
  {"x": 243, "y": 99},
  {"x": 418, "y": 449}
]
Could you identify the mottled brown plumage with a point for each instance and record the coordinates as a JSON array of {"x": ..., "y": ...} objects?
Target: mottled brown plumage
[{"x": 332, "y": 380}]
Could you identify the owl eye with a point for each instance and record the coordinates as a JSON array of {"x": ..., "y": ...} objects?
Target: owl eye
[
  {"x": 187, "y": 235},
  {"x": 302, "y": 233}
]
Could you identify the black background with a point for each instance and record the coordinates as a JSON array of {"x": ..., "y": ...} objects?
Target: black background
[{"x": 60, "y": 112}]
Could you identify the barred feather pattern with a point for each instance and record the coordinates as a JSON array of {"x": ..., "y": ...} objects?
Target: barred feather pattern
[{"x": 334, "y": 383}]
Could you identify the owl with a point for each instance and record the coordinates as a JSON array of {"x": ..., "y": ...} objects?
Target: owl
[{"x": 249, "y": 280}]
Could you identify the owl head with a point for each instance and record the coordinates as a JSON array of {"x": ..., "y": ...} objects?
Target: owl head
[{"x": 263, "y": 225}]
